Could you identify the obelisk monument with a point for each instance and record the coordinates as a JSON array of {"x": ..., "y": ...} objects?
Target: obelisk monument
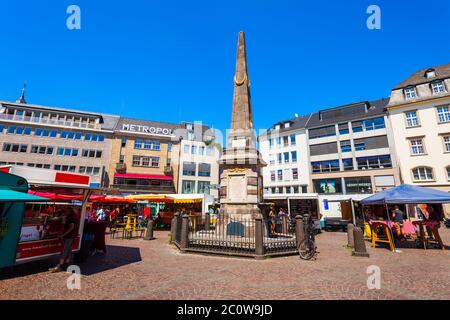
[{"x": 241, "y": 163}]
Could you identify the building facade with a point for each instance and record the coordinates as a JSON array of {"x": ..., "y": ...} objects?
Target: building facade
[
  {"x": 284, "y": 148},
  {"x": 419, "y": 113},
  {"x": 142, "y": 154},
  {"x": 351, "y": 155},
  {"x": 56, "y": 138},
  {"x": 198, "y": 160}
]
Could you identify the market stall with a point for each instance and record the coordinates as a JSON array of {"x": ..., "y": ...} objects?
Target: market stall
[
  {"x": 13, "y": 198},
  {"x": 42, "y": 222},
  {"x": 420, "y": 199}
]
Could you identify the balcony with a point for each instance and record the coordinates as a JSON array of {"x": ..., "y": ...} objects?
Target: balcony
[{"x": 121, "y": 167}]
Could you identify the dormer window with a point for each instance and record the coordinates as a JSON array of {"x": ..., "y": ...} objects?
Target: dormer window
[
  {"x": 410, "y": 93},
  {"x": 287, "y": 125},
  {"x": 277, "y": 127},
  {"x": 430, "y": 73},
  {"x": 437, "y": 87}
]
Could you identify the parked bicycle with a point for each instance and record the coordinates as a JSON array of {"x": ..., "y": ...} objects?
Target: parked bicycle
[{"x": 307, "y": 246}]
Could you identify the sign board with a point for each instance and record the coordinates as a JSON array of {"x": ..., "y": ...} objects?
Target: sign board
[{"x": 146, "y": 129}]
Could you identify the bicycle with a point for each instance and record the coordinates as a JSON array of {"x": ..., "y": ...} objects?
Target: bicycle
[{"x": 307, "y": 246}]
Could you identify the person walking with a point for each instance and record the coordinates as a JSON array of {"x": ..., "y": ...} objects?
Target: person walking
[{"x": 71, "y": 226}]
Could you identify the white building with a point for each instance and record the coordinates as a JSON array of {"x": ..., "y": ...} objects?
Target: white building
[
  {"x": 198, "y": 160},
  {"x": 286, "y": 178}
]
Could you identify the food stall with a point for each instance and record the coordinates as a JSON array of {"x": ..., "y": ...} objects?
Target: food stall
[
  {"x": 168, "y": 204},
  {"x": 378, "y": 207},
  {"x": 41, "y": 221}
]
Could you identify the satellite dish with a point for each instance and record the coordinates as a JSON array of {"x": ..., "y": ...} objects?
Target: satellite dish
[{"x": 296, "y": 115}]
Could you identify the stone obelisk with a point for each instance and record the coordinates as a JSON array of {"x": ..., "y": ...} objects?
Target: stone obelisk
[{"x": 241, "y": 163}]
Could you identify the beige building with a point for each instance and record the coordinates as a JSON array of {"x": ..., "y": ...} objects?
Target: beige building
[
  {"x": 56, "y": 138},
  {"x": 419, "y": 113},
  {"x": 142, "y": 154}
]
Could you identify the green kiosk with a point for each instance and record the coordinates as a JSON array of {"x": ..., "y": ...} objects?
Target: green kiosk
[{"x": 13, "y": 198}]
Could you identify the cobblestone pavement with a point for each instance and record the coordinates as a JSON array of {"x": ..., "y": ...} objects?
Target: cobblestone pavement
[{"x": 138, "y": 269}]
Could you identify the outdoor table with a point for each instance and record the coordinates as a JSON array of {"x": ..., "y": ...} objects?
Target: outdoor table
[
  {"x": 97, "y": 228},
  {"x": 386, "y": 226}
]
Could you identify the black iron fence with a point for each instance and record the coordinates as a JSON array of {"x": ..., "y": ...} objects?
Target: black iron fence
[{"x": 235, "y": 235}]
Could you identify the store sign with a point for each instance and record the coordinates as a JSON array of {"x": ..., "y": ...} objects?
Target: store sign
[{"x": 146, "y": 129}]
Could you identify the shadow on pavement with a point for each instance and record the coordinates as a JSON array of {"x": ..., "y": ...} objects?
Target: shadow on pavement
[{"x": 116, "y": 256}]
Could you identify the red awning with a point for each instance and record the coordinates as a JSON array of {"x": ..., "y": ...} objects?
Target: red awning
[{"x": 142, "y": 176}]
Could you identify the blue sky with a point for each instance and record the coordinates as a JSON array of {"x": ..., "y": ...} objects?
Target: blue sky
[{"x": 174, "y": 60}]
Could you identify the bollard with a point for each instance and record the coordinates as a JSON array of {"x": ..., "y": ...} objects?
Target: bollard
[
  {"x": 149, "y": 231},
  {"x": 207, "y": 222},
  {"x": 184, "y": 233},
  {"x": 359, "y": 242},
  {"x": 299, "y": 229},
  {"x": 173, "y": 226},
  {"x": 350, "y": 238},
  {"x": 259, "y": 237}
]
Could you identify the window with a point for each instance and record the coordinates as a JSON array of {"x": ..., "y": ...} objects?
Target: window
[
  {"x": 446, "y": 143},
  {"x": 189, "y": 168},
  {"x": 325, "y": 186},
  {"x": 121, "y": 159},
  {"x": 36, "y": 116},
  {"x": 1, "y": 128},
  {"x": 346, "y": 146},
  {"x": 270, "y": 143},
  {"x": 152, "y": 145},
  {"x": 11, "y": 130},
  {"x": 347, "y": 164},
  {"x": 98, "y": 154},
  {"x": 360, "y": 146},
  {"x": 204, "y": 170},
  {"x": 286, "y": 157},
  {"x": 53, "y": 134},
  {"x": 63, "y": 134},
  {"x": 280, "y": 158},
  {"x": 373, "y": 124},
  {"x": 294, "y": 173},
  {"x": 286, "y": 141},
  {"x": 417, "y": 147},
  {"x": 271, "y": 160},
  {"x": 188, "y": 186},
  {"x": 202, "y": 151},
  {"x": 194, "y": 150},
  {"x": 410, "y": 93},
  {"x": 325, "y": 166},
  {"x": 422, "y": 174},
  {"x": 138, "y": 144},
  {"x": 203, "y": 187},
  {"x": 448, "y": 172},
  {"x": 272, "y": 175},
  {"x": 19, "y": 130},
  {"x": 136, "y": 161},
  {"x": 443, "y": 114},
  {"x": 294, "y": 156},
  {"x": 280, "y": 175},
  {"x": 293, "y": 141},
  {"x": 357, "y": 126},
  {"x": 124, "y": 142},
  {"x": 411, "y": 119},
  {"x": 375, "y": 162},
  {"x": 19, "y": 114},
  {"x": 358, "y": 185},
  {"x": 101, "y": 138},
  {"x": 186, "y": 149},
  {"x": 279, "y": 141},
  {"x": 437, "y": 87},
  {"x": 287, "y": 175},
  {"x": 12, "y": 147},
  {"x": 343, "y": 128}
]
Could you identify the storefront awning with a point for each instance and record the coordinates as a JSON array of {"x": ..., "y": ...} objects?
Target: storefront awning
[
  {"x": 15, "y": 196},
  {"x": 142, "y": 176}
]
